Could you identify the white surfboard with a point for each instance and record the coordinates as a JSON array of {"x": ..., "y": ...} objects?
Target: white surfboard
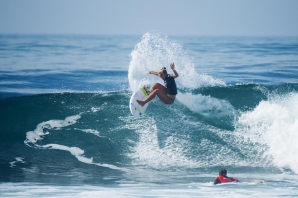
[{"x": 136, "y": 109}]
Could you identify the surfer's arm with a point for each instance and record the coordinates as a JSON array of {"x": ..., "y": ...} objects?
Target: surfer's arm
[
  {"x": 216, "y": 181},
  {"x": 175, "y": 75},
  {"x": 231, "y": 179},
  {"x": 153, "y": 72}
]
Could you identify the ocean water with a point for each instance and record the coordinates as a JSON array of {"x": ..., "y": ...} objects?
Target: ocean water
[{"x": 66, "y": 129}]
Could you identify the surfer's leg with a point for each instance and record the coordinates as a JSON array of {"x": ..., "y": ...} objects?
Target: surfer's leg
[
  {"x": 158, "y": 86},
  {"x": 162, "y": 95}
]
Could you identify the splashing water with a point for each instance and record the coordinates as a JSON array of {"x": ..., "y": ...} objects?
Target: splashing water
[
  {"x": 274, "y": 124},
  {"x": 154, "y": 52}
]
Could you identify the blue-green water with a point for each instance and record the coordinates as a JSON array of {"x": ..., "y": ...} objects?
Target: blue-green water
[{"x": 66, "y": 129}]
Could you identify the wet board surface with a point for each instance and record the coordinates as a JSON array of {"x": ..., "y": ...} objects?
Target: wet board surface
[{"x": 136, "y": 109}]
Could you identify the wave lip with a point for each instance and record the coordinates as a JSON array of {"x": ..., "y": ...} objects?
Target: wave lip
[{"x": 154, "y": 52}]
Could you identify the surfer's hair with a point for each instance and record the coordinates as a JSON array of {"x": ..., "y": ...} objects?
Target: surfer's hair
[
  {"x": 223, "y": 172},
  {"x": 163, "y": 70}
]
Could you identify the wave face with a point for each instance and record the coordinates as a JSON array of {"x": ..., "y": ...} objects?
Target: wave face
[
  {"x": 255, "y": 130},
  {"x": 88, "y": 137}
]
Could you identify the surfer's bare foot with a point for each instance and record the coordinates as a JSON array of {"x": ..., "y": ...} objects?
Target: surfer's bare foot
[{"x": 142, "y": 103}]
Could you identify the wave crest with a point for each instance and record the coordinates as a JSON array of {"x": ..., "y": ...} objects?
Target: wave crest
[{"x": 155, "y": 51}]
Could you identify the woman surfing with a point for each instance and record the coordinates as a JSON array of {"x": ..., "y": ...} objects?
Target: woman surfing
[{"x": 167, "y": 93}]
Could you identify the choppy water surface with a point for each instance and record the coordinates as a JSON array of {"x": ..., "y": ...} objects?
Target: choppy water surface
[{"x": 66, "y": 129}]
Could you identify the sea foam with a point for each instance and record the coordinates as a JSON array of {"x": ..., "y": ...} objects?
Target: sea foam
[
  {"x": 32, "y": 138},
  {"x": 274, "y": 124}
]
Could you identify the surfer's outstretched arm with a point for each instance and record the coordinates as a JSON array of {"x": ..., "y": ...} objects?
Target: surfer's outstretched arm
[
  {"x": 154, "y": 72},
  {"x": 175, "y": 75}
]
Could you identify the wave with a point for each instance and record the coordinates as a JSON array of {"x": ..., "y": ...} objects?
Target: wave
[
  {"x": 248, "y": 127},
  {"x": 97, "y": 129},
  {"x": 273, "y": 123},
  {"x": 220, "y": 110}
]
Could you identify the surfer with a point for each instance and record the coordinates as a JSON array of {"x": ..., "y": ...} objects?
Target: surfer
[
  {"x": 167, "y": 93},
  {"x": 223, "y": 178}
]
